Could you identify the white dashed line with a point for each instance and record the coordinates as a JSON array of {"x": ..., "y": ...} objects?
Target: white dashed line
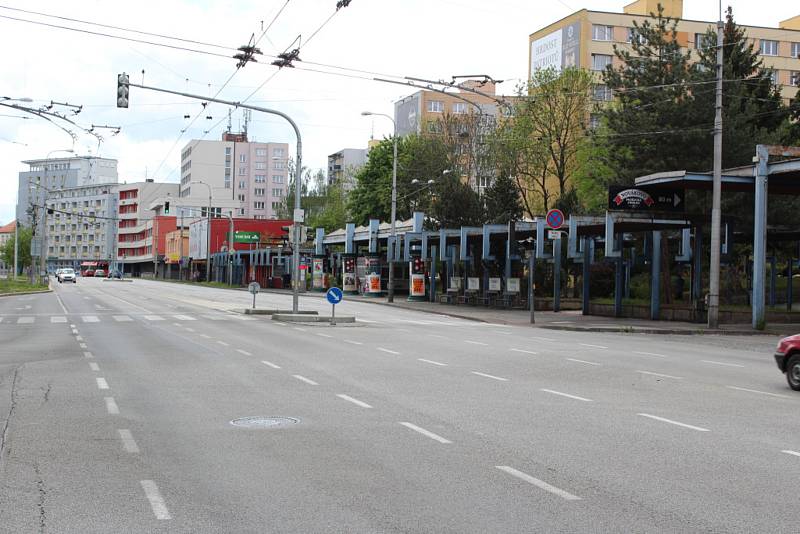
[
  {"x": 101, "y": 383},
  {"x": 153, "y": 317},
  {"x": 82, "y": 345},
  {"x": 128, "y": 443},
  {"x": 122, "y": 318},
  {"x": 554, "y": 392},
  {"x": 427, "y": 433},
  {"x": 323, "y": 335},
  {"x": 670, "y": 421},
  {"x": 523, "y": 351},
  {"x": 58, "y": 319},
  {"x": 476, "y": 343},
  {"x": 270, "y": 364},
  {"x": 590, "y": 346},
  {"x": 353, "y": 342},
  {"x": 184, "y": 318},
  {"x": 388, "y": 351},
  {"x": 301, "y": 378},
  {"x": 240, "y": 351},
  {"x": 78, "y": 338},
  {"x": 156, "y": 500},
  {"x": 660, "y": 375},
  {"x": 793, "y": 453},
  {"x": 357, "y": 402},
  {"x": 190, "y": 329},
  {"x": 111, "y": 406},
  {"x": 722, "y": 363},
  {"x": 432, "y": 362},
  {"x": 759, "y": 392},
  {"x": 543, "y": 339},
  {"x": 26, "y": 320},
  {"x": 538, "y": 483},
  {"x": 90, "y": 319},
  {"x": 490, "y": 376},
  {"x": 299, "y": 329},
  {"x": 583, "y": 361},
  {"x": 223, "y": 343},
  {"x": 205, "y": 336},
  {"x": 650, "y": 354},
  {"x": 93, "y": 366}
]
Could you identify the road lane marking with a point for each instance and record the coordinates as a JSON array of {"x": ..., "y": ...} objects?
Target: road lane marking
[
  {"x": 793, "y": 453},
  {"x": 388, "y": 351},
  {"x": 156, "y": 500},
  {"x": 670, "y": 421},
  {"x": 323, "y": 335},
  {"x": 660, "y": 374},
  {"x": 538, "y": 483},
  {"x": 650, "y": 354},
  {"x": 26, "y": 320},
  {"x": 122, "y": 318},
  {"x": 439, "y": 336},
  {"x": 82, "y": 345},
  {"x": 190, "y": 329},
  {"x": 223, "y": 343},
  {"x": 93, "y": 366},
  {"x": 357, "y": 402},
  {"x": 128, "y": 443},
  {"x": 590, "y": 346},
  {"x": 58, "y": 319},
  {"x": 543, "y": 339},
  {"x": 111, "y": 406},
  {"x": 90, "y": 319},
  {"x": 490, "y": 376},
  {"x": 78, "y": 338},
  {"x": 722, "y": 363},
  {"x": 101, "y": 383},
  {"x": 206, "y": 336},
  {"x": 440, "y": 364},
  {"x": 353, "y": 342},
  {"x": 582, "y": 361},
  {"x": 184, "y": 318},
  {"x": 153, "y": 317},
  {"x": 757, "y": 391},
  {"x": 61, "y": 303},
  {"x": 240, "y": 351},
  {"x": 523, "y": 351},
  {"x": 270, "y": 364},
  {"x": 424, "y": 432},
  {"x": 476, "y": 343},
  {"x": 368, "y": 321},
  {"x": 299, "y": 329},
  {"x": 88, "y": 354},
  {"x": 301, "y": 378},
  {"x": 554, "y": 392},
  {"x": 177, "y": 324}
]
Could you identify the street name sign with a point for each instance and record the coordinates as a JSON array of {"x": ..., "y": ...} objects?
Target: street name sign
[
  {"x": 241, "y": 236},
  {"x": 625, "y": 198}
]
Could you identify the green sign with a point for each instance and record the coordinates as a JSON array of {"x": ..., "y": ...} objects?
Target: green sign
[{"x": 246, "y": 237}]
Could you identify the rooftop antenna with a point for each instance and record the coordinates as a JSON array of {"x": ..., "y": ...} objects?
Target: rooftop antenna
[
  {"x": 229, "y": 120},
  {"x": 246, "y": 113}
]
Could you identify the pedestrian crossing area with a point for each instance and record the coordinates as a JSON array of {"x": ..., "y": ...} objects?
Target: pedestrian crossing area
[{"x": 88, "y": 319}]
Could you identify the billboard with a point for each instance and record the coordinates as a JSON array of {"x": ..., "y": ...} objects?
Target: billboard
[
  {"x": 558, "y": 50},
  {"x": 407, "y": 114},
  {"x": 627, "y": 198}
]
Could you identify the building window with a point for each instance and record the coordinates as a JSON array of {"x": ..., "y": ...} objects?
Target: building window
[
  {"x": 602, "y": 33},
  {"x": 459, "y": 107},
  {"x": 698, "y": 41},
  {"x": 261, "y": 165},
  {"x": 796, "y": 50},
  {"x": 241, "y": 198},
  {"x": 434, "y": 126},
  {"x": 594, "y": 121},
  {"x": 261, "y": 152},
  {"x": 773, "y": 76},
  {"x": 241, "y": 211},
  {"x": 242, "y": 158},
  {"x": 279, "y": 166},
  {"x": 242, "y": 184},
  {"x": 227, "y": 151},
  {"x": 600, "y": 61},
  {"x": 484, "y": 181},
  {"x": 277, "y": 192},
  {"x": 435, "y": 106},
  {"x": 602, "y": 92},
  {"x": 277, "y": 178},
  {"x": 769, "y": 48},
  {"x": 260, "y": 192},
  {"x": 258, "y": 205},
  {"x": 794, "y": 78},
  {"x": 261, "y": 178},
  {"x": 634, "y": 35},
  {"x": 242, "y": 171},
  {"x": 227, "y": 181},
  {"x": 278, "y": 153},
  {"x": 276, "y": 206}
]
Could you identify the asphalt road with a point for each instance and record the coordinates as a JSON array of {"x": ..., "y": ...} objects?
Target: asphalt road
[{"x": 116, "y": 402}]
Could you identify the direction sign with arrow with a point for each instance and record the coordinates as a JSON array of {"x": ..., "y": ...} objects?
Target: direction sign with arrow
[{"x": 625, "y": 198}]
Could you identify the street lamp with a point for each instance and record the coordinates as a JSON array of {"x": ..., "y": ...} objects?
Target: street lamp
[
  {"x": 208, "y": 214},
  {"x": 390, "y": 285}
]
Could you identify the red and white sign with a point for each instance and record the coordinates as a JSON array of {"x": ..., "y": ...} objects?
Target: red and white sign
[{"x": 555, "y": 219}]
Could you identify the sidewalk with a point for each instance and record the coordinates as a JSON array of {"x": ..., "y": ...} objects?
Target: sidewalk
[{"x": 566, "y": 320}]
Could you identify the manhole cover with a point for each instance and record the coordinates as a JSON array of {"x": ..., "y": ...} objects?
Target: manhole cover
[{"x": 258, "y": 421}]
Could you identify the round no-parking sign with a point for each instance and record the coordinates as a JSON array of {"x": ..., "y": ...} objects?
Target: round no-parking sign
[{"x": 555, "y": 219}]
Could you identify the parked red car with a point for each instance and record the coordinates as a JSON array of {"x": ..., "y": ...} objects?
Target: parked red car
[{"x": 787, "y": 356}]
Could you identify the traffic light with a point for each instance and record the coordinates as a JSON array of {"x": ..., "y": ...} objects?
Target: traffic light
[
  {"x": 166, "y": 207},
  {"x": 417, "y": 266},
  {"x": 122, "y": 90}
]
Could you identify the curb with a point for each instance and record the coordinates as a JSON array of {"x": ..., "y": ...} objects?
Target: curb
[
  {"x": 26, "y": 293},
  {"x": 663, "y": 331}
]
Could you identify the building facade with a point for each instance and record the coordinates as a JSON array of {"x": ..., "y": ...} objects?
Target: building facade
[
  {"x": 247, "y": 177},
  {"x": 586, "y": 39},
  {"x": 6, "y": 235},
  {"x": 344, "y": 164}
]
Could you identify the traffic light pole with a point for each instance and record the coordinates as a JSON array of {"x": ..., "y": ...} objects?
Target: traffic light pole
[{"x": 123, "y": 81}]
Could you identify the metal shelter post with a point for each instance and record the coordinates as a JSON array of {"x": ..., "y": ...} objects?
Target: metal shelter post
[
  {"x": 434, "y": 259},
  {"x": 773, "y": 278},
  {"x": 655, "y": 277},
  {"x": 789, "y": 284},
  {"x": 531, "y": 281},
  {"x": 760, "y": 236},
  {"x": 557, "y": 275},
  {"x": 587, "y": 269},
  {"x": 618, "y": 277}
]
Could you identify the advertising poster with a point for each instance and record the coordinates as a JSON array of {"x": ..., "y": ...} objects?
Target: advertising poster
[
  {"x": 557, "y": 50},
  {"x": 494, "y": 284},
  {"x": 512, "y": 285},
  {"x": 373, "y": 283},
  {"x": 473, "y": 283},
  {"x": 417, "y": 285},
  {"x": 316, "y": 274}
]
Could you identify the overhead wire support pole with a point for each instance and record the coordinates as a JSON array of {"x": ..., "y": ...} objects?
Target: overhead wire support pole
[
  {"x": 298, "y": 214},
  {"x": 716, "y": 222}
]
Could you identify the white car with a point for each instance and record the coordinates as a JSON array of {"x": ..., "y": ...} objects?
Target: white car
[{"x": 67, "y": 275}]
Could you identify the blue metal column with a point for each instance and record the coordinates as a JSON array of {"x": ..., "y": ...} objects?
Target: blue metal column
[
  {"x": 587, "y": 260},
  {"x": 618, "y": 278},
  {"x": 697, "y": 263},
  {"x": 760, "y": 237},
  {"x": 531, "y": 282},
  {"x": 789, "y": 284},
  {"x": 773, "y": 278},
  {"x": 655, "y": 277},
  {"x": 434, "y": 259},
  {"x": 557, "y": 275}
]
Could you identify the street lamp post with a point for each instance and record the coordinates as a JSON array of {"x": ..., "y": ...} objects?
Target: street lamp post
[
  {"x": 390, "y": 284},
  {"x": 208, "y": 245}
]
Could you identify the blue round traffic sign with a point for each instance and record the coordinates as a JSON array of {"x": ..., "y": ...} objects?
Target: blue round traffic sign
[
  {"x": 555, "y": 219},
  {"x": 334, "y": 295}
]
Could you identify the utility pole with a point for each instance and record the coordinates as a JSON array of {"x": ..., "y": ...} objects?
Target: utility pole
[{"x": 716, "y": 223}]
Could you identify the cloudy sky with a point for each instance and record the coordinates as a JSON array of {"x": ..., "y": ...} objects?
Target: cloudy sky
[{"x": 433, "y": 39}]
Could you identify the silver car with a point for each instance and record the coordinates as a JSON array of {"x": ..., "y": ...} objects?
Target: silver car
[{"x": 67, "y": 275}]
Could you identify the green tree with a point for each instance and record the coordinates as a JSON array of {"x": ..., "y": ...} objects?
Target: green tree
[
  {"x": 23, "y": 250},
  {"x": 501, "y": 200},
  {"x": 331, "y": 212},
  {"x": 455, "y": 203}
]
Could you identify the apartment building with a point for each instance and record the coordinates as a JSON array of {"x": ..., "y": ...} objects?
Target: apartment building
[
  {"x": 344, "y": 164},
  {"x": 141, "y": 232},
  {"x": 249, "y": 178},
  {"x": 6, "y": 234},
  {"x": 586, "y": 39}
]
